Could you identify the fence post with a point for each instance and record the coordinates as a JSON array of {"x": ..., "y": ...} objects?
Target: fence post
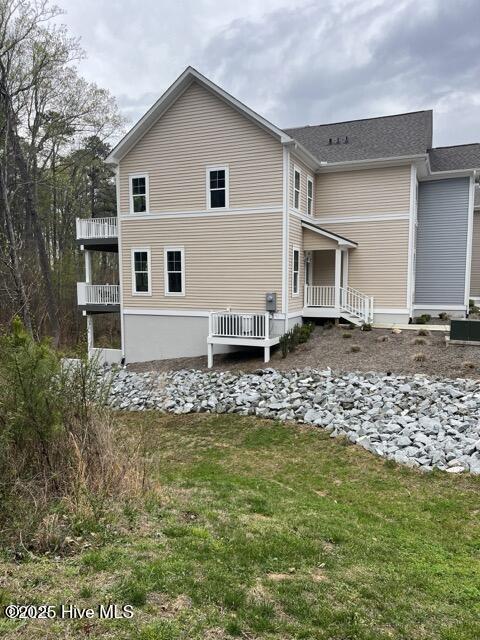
[{"x": 267, "y": 325}]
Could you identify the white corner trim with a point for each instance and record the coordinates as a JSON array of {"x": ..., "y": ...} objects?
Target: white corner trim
[
  {"x": 217, "y": 167},
  {"x": 149, "y": 271},
  {"x": 216, "y": 211},
  {"x": 468, "y": 259},
  {"x": 411, "y": 237},
  {"x": 120, "y": 260},
  {"x": 131, "y": 176},
  {"x": 176, "y": 294},
  {"x": 285, "y": 225}
]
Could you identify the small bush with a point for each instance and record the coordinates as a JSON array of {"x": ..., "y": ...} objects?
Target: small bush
[
  {"x": 366, "y": 326},
  {"x": 419, "y": 341},
  {"x": 328, "y": 325},
  {"x": 469, "y": 365},
  {"x": 419, "y": 320},
  {"x": 443, "y": 316},
  {"x": 419, "y": 357},
  {"x": 283, "y": 342},
  {"x": 346, "y": 335},
  {"x": 299, "y": 334},
  {"x": 422, "y": 332},
  {"x": 427, "y": 317},
  {"x": 355, "y": 348},
  {"x": 382, "y": 339}
]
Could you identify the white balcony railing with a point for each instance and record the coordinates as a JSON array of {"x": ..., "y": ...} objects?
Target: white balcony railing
[
  {"x": 103, "y": 294},
  {"x": 91, "y": 228},
  {"x": 356, "y": 303},
  {"x": 323, "y": 296},
  {"x": 228, "y": 324}
]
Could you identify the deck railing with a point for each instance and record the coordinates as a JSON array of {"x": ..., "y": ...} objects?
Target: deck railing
[
  {"x": 323, "y": 296},
  {"x": 229, "y": 324},
  {"x": 90, "y": 228},
  {"x": 103, "y": 294}
]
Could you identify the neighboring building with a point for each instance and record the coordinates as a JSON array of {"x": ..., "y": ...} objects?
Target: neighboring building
[{"x": 233, "y": 230}]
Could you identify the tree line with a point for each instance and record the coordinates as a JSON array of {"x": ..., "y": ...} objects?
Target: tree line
[{"x": 55, "y": 131}]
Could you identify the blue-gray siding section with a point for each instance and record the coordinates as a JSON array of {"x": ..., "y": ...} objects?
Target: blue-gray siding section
[{"x": 442, "y": 241}]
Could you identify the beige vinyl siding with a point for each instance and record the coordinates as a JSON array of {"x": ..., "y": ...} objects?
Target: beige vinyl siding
[
  {"x": 475, "y": 277},
  {"x": 304, "y": 172},
  {"x": 295, "y": 232},
  {"x": 363, "y": 192},
  {"x": 197, "y": 131},
  {"x": 230, "y": 261},
  {"x": 323, "y": 268},
  {"x": 313, "y": 241},
  {"x": 379, "y": 265}
]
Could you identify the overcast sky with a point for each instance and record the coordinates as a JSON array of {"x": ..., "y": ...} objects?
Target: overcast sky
[{"x": 294, "y": 62}]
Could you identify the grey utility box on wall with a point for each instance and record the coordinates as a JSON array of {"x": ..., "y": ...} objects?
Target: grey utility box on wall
[{"x": 270, "y": 302}]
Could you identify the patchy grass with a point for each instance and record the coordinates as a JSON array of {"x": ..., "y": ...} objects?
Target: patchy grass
[{"x": 254, "y": 529}]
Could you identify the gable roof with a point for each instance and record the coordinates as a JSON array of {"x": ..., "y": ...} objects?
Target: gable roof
[
  {"x": 405, "y": 134},
  {"x": 311, "y": 226},
  {"x": 461, "y": 156},
  {"x": 168, "y": 98}
]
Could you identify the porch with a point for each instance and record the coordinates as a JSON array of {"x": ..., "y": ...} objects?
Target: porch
[
  {"x": 240, "y": 329},
  {"x": 97, "y": 234},
  {"x": 98, "y": 298}
]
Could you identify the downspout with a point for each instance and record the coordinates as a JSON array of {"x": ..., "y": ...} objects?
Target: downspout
[{"x": 468, "y": 265}]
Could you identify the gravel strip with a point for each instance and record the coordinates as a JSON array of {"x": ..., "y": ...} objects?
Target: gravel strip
[{"x": 415, "y": 420}]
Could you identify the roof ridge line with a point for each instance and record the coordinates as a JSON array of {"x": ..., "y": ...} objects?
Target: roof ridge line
[{"x": 329, "y": 124}]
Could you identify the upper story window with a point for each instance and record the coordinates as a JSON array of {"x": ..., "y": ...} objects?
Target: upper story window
[
  {"x": 217, "y": 187},
  {"x": 295, "y": 271},
  {"x": 174, "y": 271},
  {"x": 296, "y": 188},
  {"x": 309, "y": 195},
  {"x": 141, "y": 272},
  {"x": 139, "y": 193}
]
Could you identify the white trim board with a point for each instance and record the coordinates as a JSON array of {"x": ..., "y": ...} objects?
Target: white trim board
[
  {"x": 201, "y": 213},
  {"x": 341, "y": 241},
  {"x": 200, "y": 313},
  {"x": 358, "y": 218},
  {"x": 468, "y": 258},
  {"x": 411, "y": 237},
  {"x": 441, "y": 307}
]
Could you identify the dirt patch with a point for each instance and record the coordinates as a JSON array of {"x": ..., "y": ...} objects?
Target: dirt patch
[
  {"x": 279, "y": 577},
  {"x": 318, "y": 575},
  {"x": 379, "y": 350}
]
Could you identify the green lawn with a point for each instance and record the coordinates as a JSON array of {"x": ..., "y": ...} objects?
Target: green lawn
[{"x": 253, "y": 529}]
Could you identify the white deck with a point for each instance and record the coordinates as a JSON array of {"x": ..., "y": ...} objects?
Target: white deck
[{"x": 96, "y": 228}]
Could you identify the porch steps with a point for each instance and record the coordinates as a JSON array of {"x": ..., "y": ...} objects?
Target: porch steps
[{"x": 350, "y": 317}]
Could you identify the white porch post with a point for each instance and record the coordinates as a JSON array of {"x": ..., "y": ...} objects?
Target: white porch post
[
  {"x": 210, "y": 355},
  {"x": 90, "y": 336},
  {"x": 266, "y": 357},
  {"x": 88, "y": 267},
  {"x": 345, "y": 255},
  {"x": 338, "y": 273}
]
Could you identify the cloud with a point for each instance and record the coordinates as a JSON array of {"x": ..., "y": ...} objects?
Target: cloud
[{"x": 295, "y": 63}]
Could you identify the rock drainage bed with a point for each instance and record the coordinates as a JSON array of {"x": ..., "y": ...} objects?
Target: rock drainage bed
[{"x": 417, "y": 421}]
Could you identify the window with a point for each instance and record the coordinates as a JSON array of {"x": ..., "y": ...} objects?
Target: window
[
  {"x": 309, "y": 196},
  {"x": 139, "y": 194},
  {"x": 217, "y": 187},
  {"x": 141, "y": 272},
  {"x": 295, "y": 271},
  {"x": 174, "y": 271},
  {"x": 296, "y": 188}
]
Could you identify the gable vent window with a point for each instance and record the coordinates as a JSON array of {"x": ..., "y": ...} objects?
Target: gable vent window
[
  {"x": 217, "y": 187},
  {"x": 139, "y": 194},
  {"x": 309, "y": 196},
  {"x": 296, "y": 188}
]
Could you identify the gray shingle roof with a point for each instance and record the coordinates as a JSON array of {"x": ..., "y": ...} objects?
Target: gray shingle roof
[
  {"x": 404, "y": 134},
  {"x": 462, "y": 156}
]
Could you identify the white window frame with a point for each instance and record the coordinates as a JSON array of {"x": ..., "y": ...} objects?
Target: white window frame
[
  {"x": 296, "y": 293},
  {"x": 131, "y": 176},
  {"x": 219, "y": 167},
  {"x": 149, "y": 271},
  {"x": 309, "y": 199},
  {"x": 295, "y": 190},
  {"x": 165, "y": 270}
]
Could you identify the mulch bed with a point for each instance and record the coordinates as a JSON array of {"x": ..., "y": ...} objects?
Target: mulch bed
[{"x": 381, "y": 350}]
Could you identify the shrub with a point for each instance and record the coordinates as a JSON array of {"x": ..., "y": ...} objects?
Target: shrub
[
  {"x": 419, "y": 341},
  {"x": 58, "y": 460},
  {"x": 346, "y": 335},
  {"x": 419, "y": 320},
  {"x": 298, "y": 334},
  {"x": 469, "y": 365},
  {"x": 382, "y": 339},
  {"x": 443, "y": 315},
  {"x": 283, "y": 342},
  {"x": 355, "y": 348},
  {"x": 366, "y": 326},
  {"x": 419, "y": 357},
  {"x": 422, "y": 332},
  {"x": 427, "y": 317}
]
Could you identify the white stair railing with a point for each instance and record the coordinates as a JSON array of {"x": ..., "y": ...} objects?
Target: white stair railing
[
  {"x": 90, "y": 228},
  {"x": 356, "y": 303},
  {"x": 228, "y": 324},
  {"x": 104, "y": 294}
]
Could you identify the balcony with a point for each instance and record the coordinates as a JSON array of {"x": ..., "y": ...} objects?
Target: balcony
[
  {"x": 98, "y": 234},
  {"x": 98, "y": 298}
]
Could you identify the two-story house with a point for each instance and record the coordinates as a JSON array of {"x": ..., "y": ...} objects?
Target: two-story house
[{"x": 230, "y": 230}]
